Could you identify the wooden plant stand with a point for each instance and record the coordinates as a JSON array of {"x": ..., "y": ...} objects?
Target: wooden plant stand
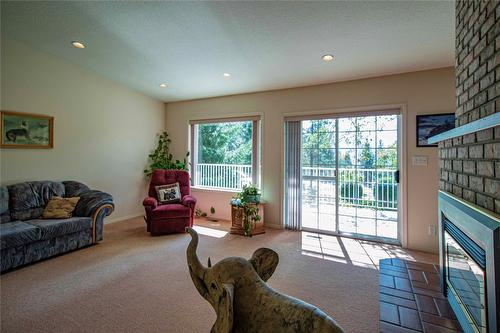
[{"x": 237, "y": 221}]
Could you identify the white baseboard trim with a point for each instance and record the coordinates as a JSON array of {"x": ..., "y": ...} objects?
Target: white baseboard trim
[
  {"x": 273, "y": 226},
  {"x": 132, "y": 216},
  {"x": 122, "y": 218}
]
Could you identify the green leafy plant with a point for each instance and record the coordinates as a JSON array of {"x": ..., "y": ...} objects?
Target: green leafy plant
[
  {"x": 161, "y": 158},
  {"x": 250, "y": 194},
  {"x": 350, "y": 175},
  {"x": 250, "y": 189},
  {"x": 386, "y": 195},
  {"x": 351, "y": 191},
  {"x": 248, "y": 199},
  {"x": 250, "y": 217}
]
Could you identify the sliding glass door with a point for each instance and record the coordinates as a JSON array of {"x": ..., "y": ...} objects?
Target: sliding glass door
[
  {"x": 319, "y": 174},
  {"x": 349, "y": 172}
]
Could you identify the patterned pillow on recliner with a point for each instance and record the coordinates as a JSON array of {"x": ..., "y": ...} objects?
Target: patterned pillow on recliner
[{"x": 168, "y": 193}]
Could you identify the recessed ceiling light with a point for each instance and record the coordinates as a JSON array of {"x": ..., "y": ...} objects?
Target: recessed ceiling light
[
  {"x": 77, "y": 44},
  {"x": 327, "y": 57},
  {"x": 163, "y": 85},
  {"x": 226, "y": 75}
]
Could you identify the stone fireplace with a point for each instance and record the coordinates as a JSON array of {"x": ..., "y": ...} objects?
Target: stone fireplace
[{"x": 469, "y": 197}]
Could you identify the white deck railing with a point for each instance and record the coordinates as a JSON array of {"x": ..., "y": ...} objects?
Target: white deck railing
[
  {"x": 358, "y": 187},
  {"x": 223, "y": 176}
]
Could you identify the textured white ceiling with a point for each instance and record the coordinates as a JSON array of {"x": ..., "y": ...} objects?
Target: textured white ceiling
[{"x": 264, "y": 45}]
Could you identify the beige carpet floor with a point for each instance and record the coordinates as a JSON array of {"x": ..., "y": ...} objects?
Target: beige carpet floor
[{"x": 132, "y": 282}]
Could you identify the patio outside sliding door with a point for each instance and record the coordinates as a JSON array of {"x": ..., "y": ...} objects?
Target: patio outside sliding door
[{"x": 350, "y": 177}]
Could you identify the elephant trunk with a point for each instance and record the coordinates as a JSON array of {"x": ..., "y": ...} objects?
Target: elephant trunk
[{"x": 192, "y": 258}]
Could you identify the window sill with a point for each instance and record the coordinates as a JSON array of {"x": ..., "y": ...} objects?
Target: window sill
[{"x": 214, "y": 189}]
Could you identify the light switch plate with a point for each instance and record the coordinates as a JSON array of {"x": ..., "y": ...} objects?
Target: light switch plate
[{"x": 419, "y": 160}]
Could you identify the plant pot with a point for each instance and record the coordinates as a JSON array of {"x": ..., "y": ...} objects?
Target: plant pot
[{"x": 253, "y": 198}]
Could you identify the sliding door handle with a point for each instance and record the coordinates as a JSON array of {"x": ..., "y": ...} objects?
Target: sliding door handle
[{"x": 396, "y": 176}]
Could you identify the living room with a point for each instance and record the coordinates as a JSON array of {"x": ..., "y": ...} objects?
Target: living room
[{"x": 350, "y": 139}]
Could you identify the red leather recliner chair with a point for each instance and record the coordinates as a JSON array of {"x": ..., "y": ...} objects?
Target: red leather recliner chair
[{"x": 170, "y": 217}]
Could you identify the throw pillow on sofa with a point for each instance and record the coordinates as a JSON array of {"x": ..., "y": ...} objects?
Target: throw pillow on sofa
[
  {"x": 60, "y": 208},
  {"x": 168, "y": 193}
]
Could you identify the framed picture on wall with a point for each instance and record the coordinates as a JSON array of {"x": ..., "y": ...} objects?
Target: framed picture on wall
[
  {"x": 429, "y": 125},
  {"x": 26, "y": 130}
]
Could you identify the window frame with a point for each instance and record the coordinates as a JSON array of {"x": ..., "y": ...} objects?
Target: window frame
[{"x": 256, "y": 139}]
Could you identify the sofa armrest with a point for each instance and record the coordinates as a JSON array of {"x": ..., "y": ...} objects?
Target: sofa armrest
[
  {"x": 97, "y": 205},
  {"x": 91, "y": 201},
  {"x": 150, "y": 202},
  {"x": 188, "y": 201}
]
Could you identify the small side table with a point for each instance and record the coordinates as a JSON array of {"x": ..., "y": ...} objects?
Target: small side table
[{"x": 237, "y": 221}]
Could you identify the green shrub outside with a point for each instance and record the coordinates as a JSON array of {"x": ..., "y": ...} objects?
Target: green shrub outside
[
  {"x": 351, "y": 191},
  {"x": 386, "y": 195}
]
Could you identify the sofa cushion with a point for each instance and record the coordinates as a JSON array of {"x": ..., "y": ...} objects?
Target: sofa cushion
[
  {"x": 60, "y": 208},
  {"x": 75, "y": 189},
  {"x": 4, "y": 205},
  {"x": 4, "y": 199},
  {"x": 18, "y": 233},
  {"x": 27, "y": 200},
  {"x": 53, "y": 228},
  {"x": 5, "y": 218},
  {"x": 170, "y": 211}
]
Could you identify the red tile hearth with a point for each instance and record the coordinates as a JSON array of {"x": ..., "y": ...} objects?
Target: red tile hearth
[{"x": 411, "y": 299}]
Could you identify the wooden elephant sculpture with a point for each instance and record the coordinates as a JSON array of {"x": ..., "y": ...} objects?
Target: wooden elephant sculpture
[{"x": 243, "y": 302}]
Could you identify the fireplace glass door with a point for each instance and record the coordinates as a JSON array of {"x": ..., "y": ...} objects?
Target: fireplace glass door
[{"x": 466, "y": 279}]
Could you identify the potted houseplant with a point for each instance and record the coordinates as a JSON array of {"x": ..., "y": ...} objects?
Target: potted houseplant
[
  {"x": 250, "y": 217},
  {"x": 247, "y": 200},
  {"x": 161, "y": 158},
  {"x": 250, "y": 194}
]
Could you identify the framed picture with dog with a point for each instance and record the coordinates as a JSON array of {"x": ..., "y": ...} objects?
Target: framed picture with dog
[{"x": 26, "y": 130}]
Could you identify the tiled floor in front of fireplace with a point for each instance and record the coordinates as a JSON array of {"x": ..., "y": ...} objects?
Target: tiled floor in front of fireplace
[{"x": 411, "y": 299}]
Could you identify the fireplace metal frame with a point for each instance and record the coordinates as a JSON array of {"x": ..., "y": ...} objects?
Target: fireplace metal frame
[{"x": 483, "y": 227}]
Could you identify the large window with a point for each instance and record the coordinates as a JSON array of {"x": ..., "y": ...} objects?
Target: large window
[{"x": 224, "y": 153}]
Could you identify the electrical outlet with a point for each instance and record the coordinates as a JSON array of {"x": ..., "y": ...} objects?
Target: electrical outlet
[{"x": 432, "y": 230}]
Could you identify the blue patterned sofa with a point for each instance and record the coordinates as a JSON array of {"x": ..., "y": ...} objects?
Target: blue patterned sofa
[{"x": 25, "y": 238}]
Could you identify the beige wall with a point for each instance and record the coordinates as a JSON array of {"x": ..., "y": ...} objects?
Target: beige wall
[
  {"x": 420, "y": 92},
  {"x": 103, "y": 131}
]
